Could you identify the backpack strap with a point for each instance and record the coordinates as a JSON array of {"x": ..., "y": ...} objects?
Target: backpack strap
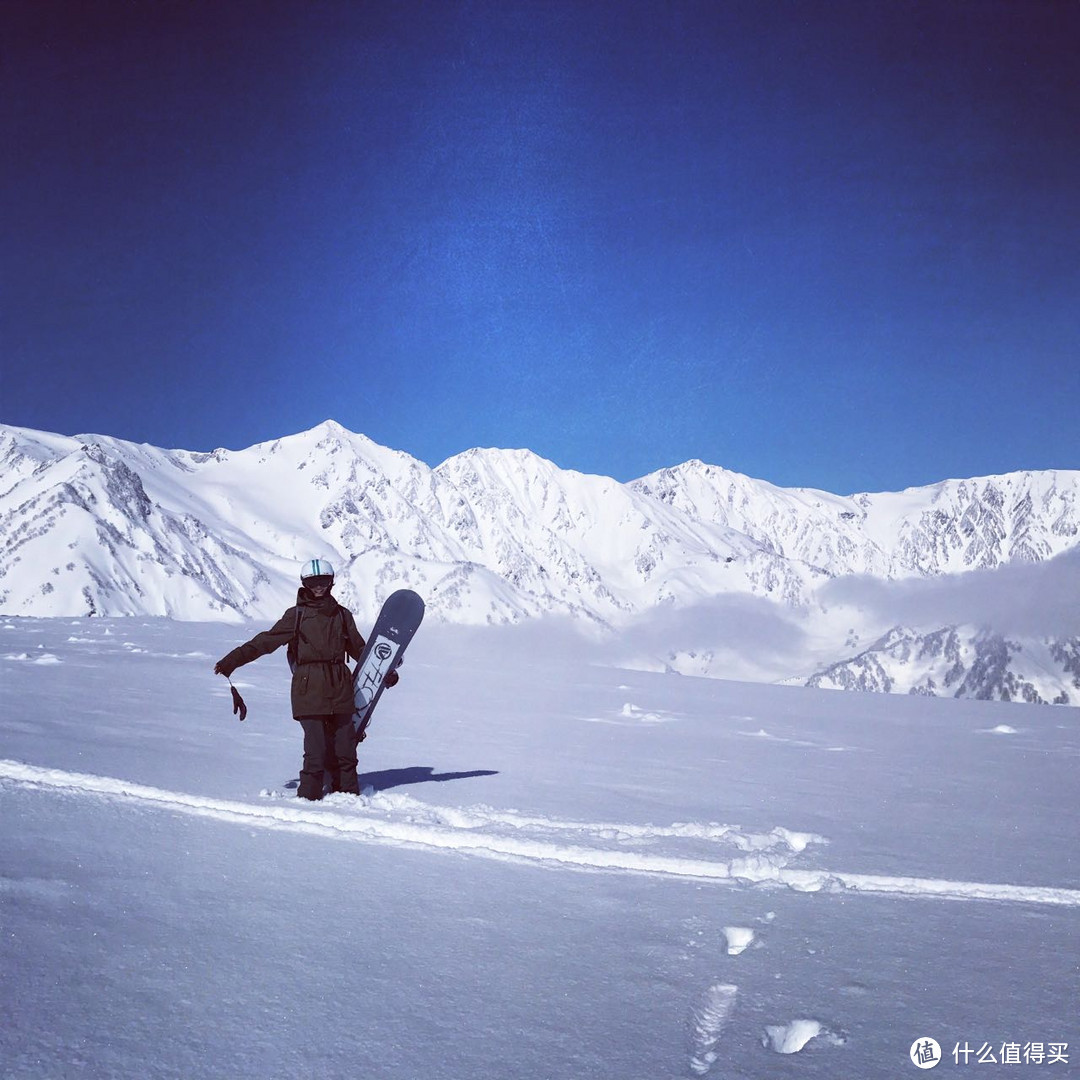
[
  {"x": 344, "y": 639},
  {"x": 292, "y": 652}
]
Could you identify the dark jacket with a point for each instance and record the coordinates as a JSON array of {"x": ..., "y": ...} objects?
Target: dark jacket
[{"x": 321, "y": 682}]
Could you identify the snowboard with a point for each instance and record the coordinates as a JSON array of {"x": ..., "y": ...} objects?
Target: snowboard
[{"x": 398, "y": 621}]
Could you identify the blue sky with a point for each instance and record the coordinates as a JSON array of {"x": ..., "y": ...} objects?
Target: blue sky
[{"x": 823, "y": 243}]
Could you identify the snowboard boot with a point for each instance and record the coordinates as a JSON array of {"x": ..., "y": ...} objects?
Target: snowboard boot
[{"x": 311, "y": 785}]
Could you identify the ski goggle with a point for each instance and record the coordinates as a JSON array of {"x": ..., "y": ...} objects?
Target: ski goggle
[{"x": 315, "y": 582}]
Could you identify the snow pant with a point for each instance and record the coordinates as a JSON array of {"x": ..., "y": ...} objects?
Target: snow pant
[{"x": 329, "y": 747}]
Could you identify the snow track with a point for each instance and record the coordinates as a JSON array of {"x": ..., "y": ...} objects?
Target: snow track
[
  {"x": 396, "y": 819},
  {"x": 708, "y": 1022}
]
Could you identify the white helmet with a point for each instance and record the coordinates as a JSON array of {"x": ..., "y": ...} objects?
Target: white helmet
[{"x": 316, "y": 568}]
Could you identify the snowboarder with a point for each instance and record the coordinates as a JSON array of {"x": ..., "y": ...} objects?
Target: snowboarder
[{"x": 319, "y": 633}]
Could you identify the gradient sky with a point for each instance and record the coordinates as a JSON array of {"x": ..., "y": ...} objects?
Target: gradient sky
[{"x": 833, "y": 244}]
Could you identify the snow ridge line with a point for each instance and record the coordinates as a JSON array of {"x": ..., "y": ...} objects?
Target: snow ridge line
[
  {"x": 485, "y": 817},
  {"x": 759, "y": 870}
]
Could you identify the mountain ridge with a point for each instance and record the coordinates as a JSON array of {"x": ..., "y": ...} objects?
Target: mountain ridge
[{"x": 112, "y": 527}]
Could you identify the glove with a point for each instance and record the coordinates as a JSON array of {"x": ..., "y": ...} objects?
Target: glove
[
  {"x": 391, "y": 679},
  {"x": 238, "y": 705}
]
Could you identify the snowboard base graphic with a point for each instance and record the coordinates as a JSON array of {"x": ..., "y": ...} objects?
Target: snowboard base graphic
[{"x": 398, "y": 621}]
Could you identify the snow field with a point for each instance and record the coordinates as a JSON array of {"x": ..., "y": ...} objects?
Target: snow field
[{"x": 523, "y": 892}]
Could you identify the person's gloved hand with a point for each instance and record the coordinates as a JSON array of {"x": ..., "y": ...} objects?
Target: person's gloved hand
[{"x": 391, "y": 679}]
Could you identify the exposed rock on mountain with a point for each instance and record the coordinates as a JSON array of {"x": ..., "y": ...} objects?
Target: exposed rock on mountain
[
  {"x": 950, "y": 527},
  {"x": 962, "y": 662},
  {"x": 95, "y": 525}
]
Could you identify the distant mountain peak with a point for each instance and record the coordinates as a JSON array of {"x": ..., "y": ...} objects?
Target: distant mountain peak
[{"x": 95, "y": 524}]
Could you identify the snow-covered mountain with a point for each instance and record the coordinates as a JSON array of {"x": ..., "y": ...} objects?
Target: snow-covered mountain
[
  {"x": 112, "y": 528},
  {"x": 962, "y": 662},
  {"x": 96, "y": 525},
  {"x": 950, "y": 527}
]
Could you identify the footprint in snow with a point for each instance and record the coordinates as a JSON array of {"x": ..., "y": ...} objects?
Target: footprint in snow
[
  {"x": 793, "y": 1037},
  {"x": 739, "y": 939},
  {"x": 707, "y": 1021}
]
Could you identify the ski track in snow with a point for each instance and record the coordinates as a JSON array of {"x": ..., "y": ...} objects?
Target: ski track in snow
[{"x": 506, "y": 835}]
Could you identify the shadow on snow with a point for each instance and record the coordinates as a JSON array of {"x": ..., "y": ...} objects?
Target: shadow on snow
[
  {"x": 392, "y": 778},
  {"x": 416, "y": 774}
]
